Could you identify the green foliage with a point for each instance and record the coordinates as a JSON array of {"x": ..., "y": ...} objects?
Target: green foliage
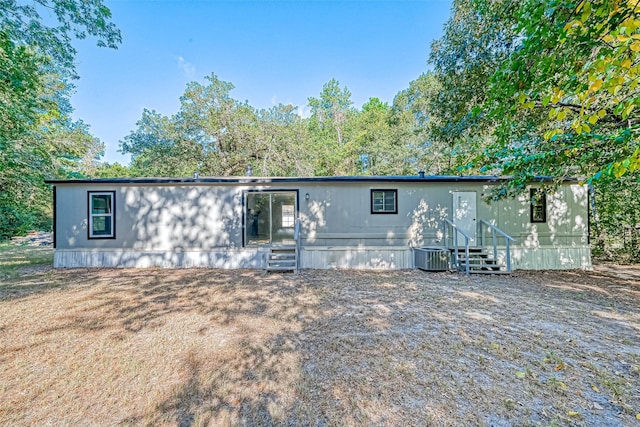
[
  {"x": 376, "y": 147},
  {"x": 112, "y": 170},
  {"x": 566, "y": 98},
  {"x": 615, "y": 231},
  {"x": 38, "y": 140},
  {"x": 420, "y": 123},
  {"x": 478, "y": 37},
  {"x": 23, "y": 23},
  {"x": 20, "y": 87},
  {"x": 330, "y": 129},
  {"x": 549, "y": 88},
  {"x": 217, "y": 135},
  {"x": 16, "y": 221}
]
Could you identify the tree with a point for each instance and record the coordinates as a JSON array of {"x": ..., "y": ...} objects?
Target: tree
[
  {"x": 330, "y": 127},
  {"x": 418, "y": 122},
  {"x": 37, "y": 59},
  {"x": 112, "y": 170},
  {"x": 615, "y": 211},
  {"x": 38, "y": 139},
  {"x": 477, "y": 38},
  {"x": 282, "y": 136},
  {"x": 157, "y": 149},
  {"x": 375, "y": 148},
  {"x": 215, "y": 134},
  {"x": 23, "y": 24},
  {"x": 567, "y": 98}
]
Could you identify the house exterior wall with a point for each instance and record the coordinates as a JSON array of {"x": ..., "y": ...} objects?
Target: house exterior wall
[
  {"x": 151, "y": 217},
  {"x": 202, "y": 225}
]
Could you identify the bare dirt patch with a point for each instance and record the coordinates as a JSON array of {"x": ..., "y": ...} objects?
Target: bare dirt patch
[{"x": 211, "y": 347}]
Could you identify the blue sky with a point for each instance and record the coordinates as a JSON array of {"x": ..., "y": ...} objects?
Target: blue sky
[{"x": 272, "y": 51}]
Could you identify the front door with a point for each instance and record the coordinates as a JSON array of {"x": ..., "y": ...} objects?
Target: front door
[
  {"x": 464, "y": 214},
  {"x": 270, "y": 218}
]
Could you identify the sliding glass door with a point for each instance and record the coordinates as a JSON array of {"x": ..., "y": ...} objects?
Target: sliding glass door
[{"x": 270, "y": 218}]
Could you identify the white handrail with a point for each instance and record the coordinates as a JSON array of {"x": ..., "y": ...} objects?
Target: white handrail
[
  {"x": 467, "y": 238},
  {"x": 495, "y": 230},
  {"x": 296, "y": 237}
]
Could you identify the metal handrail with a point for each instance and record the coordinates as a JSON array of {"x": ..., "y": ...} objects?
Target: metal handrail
[
  {"x": 495, "y": 230},
  {"x": 467, "y": 238},
  {"x": 296, "y": 237}
]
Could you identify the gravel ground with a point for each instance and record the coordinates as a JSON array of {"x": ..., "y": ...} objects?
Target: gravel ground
[
  {"x": 34, "y": 238},
  {"x": 211, "y": 347}
]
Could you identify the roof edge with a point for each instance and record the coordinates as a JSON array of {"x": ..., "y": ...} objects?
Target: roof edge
[{"x": 269, "y": 180}]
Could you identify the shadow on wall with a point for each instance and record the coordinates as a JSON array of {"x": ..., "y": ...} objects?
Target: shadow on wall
[
  {"x": 175, "y": 226},
  {"x": 172, "y": 218},
  {"x": 559, "y": 243},
  {"x": 203, "y": 226},
  {"x": 315, "y": 221},
  {"x": 426, "y": 225},
  {"x": 420, "y": 226}
]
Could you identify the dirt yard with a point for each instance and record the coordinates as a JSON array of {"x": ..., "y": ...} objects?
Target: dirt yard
[{"x": 210, "y": 347}]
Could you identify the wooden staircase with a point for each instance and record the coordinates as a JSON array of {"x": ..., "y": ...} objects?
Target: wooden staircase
[
  {"x": 480, "y": 262},
  {"x": 475, "y": 259},
  {"x": 282, "y": 258}
]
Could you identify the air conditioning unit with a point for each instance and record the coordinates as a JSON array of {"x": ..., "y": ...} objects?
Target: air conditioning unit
[{"x": 432, "y": 258}]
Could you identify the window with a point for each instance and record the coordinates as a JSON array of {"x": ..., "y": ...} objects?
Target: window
[
  {"x": 384, "y": 201},
  {"x": 102, "y": 223},
  {"x": 538, "y": 205},
  {"x": 270, "y": 217},
  {"x": 288, "y": 216}
]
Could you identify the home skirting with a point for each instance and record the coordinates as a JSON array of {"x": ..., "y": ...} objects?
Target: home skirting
[{"x": 314, "y": 257}]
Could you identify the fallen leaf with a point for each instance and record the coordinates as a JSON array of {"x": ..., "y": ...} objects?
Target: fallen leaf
[
  {"x": 520, "y": 374},
  {"x": 596, "y": 389},
  {"x": 573, "y": 414}
]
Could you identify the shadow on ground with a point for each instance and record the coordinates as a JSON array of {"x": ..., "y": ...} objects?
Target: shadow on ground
[{"x": 201, "y": 347}]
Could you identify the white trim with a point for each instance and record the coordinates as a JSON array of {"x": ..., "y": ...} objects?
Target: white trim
[{"x": 109, "y": 215}]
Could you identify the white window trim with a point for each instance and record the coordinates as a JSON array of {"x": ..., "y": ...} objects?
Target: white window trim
[{"x": 112, "y": 195}]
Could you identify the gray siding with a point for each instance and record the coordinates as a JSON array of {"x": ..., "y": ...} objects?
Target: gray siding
[
  {"x": 340, "y": 215},
  {"x": 197, "y": 224},
  {"x": 152, "y": 217}
]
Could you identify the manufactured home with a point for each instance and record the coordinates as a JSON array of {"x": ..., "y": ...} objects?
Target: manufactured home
[{"x": 399, "y": 222}]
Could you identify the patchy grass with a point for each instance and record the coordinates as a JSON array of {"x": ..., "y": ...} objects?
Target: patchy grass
[
  {"x": 19, "y": 260},
  {"x": 210, "y": 347}
]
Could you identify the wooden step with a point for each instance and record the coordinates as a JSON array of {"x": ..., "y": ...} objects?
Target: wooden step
[
  {"x": 488, "y": 272},
  {"x": 486, "y": 260},
  {"x": 288, "y": 262},
  {"x": 479, "y": 261},
  {"x": 281, "y": 269},
  {"x": 471, "y": 250},
  {"x": 282, "y": 258}
]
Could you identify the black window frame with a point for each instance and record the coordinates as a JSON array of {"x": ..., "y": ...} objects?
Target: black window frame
[
  {"x": 395, "y": 199},
  {"x": 90, "y": 215},
  {"x": 539, "y": 196}
]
